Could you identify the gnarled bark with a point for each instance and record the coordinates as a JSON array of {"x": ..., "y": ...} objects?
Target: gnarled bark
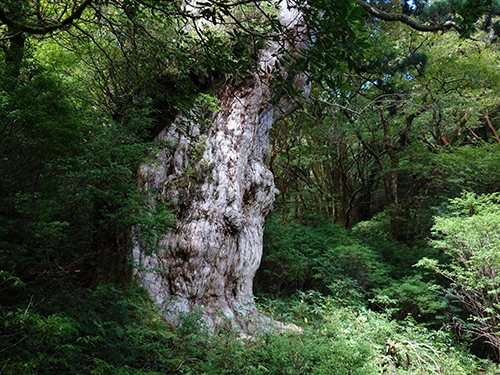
[{"x": 223, "y": 191}]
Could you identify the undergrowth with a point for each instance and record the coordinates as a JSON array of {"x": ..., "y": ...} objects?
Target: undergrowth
[{"x": 119, "y": 331}]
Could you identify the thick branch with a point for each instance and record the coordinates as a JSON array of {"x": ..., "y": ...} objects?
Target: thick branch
[
  {"x": 46, "y": 29},
  {"x": 400, "y": 17}
]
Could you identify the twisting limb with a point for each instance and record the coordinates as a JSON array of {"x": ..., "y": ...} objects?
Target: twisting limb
[
  {"x": 46, "y": 29},
  {"x": 400, "y": 17}
]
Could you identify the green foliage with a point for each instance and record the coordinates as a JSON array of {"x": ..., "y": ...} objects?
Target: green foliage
[
  {"x": 391, "y": 136},
  {"x": 339, "y": 35},
  {"x": 378, "y": 227},
  {"x": 110, "y": 198},
  {"x": 474, "y": 167},
  {"x": 298, "y": 256},
  {"x": 397, "y": 258},
  {"x": 104, "y": 331},
  {"x": 110, "y": 330},
  {"x": 40, "y": 134},
  {"x": 377, "y": 344},
  {"x": 352, "y": 267},
  {"x": 411, "y": 296},
  {"x": 470, "y": 236},
  {"x": 68, "y": 196}
]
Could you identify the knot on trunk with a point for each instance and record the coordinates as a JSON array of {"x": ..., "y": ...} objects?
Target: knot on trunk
[{"x": 234, "y": 220}]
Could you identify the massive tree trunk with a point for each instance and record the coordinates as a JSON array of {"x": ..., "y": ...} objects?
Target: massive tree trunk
[{"x": 223, "y": 191}]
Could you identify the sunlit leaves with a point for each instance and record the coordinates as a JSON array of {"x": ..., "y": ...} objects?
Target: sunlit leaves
[{"x": 470, "y": 235}]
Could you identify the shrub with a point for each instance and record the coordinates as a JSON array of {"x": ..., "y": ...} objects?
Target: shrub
[
  {"x": 411, "y": 296},
  {"x": 107, "y": 330},
  {"x": 372, "y": 343},
  {"x": 471, "y": 238},
  {"x": 304, "y": 257}
]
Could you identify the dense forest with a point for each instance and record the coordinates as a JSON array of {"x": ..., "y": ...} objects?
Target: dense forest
[{"x": 249, "y": 187}]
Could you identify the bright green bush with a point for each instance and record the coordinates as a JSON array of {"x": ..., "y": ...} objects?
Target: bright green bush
[
  {"x": 376, "y": 344},
  {"x": 470, "y": 236}
]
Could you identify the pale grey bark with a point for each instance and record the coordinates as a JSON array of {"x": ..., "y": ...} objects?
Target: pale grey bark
[{"x": 223, "y": 191}]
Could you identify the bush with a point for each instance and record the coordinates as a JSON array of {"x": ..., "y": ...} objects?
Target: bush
[
  {"x": 470, "y": 236},
  {"x": 107, "y": 330},
  {"x": 304, "y": 257},
  {"x": 397, "y": 258},
  {"x": 411, "y": 296},
  {"x": 372, "y": 343}
]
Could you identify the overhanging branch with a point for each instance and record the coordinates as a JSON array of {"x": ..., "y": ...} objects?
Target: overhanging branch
[
  {"x": 46, "y": 29},
  {"x": 400, "y": 17}
]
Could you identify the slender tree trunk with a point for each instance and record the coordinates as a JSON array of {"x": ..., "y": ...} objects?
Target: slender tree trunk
[{"x": 210, "y": 259}]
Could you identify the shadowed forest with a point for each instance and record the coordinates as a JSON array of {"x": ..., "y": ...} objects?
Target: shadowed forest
[{"x": 381, "y": 252}]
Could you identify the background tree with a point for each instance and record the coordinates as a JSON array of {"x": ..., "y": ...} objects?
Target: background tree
[{"x": 404, "y": 106}]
